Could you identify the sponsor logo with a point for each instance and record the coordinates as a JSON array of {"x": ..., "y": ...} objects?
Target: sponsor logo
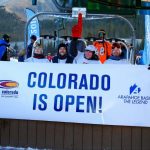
[
  {"x": 8, "y": 84},
  {"x": 134, "y": 89},
  {"x": 135, "y": 96},
  {"x": 7, "y": 87}
]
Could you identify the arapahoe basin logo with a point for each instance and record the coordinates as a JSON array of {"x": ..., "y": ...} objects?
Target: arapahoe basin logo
[{"x": 8, "y": 84}]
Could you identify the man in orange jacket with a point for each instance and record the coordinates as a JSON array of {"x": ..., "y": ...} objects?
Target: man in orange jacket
[{"x": 104, "y": 47}]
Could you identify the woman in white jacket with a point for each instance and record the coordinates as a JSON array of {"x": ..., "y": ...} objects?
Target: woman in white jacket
[
  {"x": 89, "y": 56},
  {"x": 37, "y": 55}
]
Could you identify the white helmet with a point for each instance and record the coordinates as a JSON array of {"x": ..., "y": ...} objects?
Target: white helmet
[{"x": 91, "y": 48}]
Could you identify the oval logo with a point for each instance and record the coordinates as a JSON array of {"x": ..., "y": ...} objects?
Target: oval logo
[{"x": 8, "y": 84}]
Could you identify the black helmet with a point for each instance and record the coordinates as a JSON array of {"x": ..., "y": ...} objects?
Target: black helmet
[
  {"x": 33, "y": 37},
  {"x": 6, "y": 37}
]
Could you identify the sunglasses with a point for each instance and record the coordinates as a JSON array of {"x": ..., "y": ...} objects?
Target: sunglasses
[
  {"x": 101, "y": 33},
  {"x": 118, "y": 46}
]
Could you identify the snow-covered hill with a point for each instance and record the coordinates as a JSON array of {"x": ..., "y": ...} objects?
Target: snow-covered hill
[{"x": 18, "y": 6}]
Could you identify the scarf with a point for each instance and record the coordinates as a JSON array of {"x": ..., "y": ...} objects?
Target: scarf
[{"x": 38, "y": 56}]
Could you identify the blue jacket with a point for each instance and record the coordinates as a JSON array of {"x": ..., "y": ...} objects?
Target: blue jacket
[{"x": 3, "y": 48}]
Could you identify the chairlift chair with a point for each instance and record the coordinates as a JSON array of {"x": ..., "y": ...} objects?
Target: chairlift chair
[{"x": 130, "y": 53}]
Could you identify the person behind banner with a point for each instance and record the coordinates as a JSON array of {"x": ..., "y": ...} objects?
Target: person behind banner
[
  {"x": 139, "y": 57},
  {"x": 38, "y": 55},
  {"x": 49, "y": 57},
  {"x": 62, "y": 55},
  {"x": 148, "y": 67},
  {"x": 90, "y": 56},
  {"x": 4, "y": 45},
  {"x": 104, "y": 47},
  {"x": 21, "y": 55},
  {"x": 30, "y": 46},
  {"x": 116, "y": 55}
]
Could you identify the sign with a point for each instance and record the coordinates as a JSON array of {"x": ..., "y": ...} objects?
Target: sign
[
  {"x": 77, "y": 10},
  {"x": 33, "y": 28},
  {"x": 92, "y": 94}
]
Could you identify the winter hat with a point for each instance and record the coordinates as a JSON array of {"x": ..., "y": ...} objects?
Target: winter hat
[
  {"x": 62, "y": 45},
  {"x": 6, "y": 37},
  {"x": 33, "y": 37},
  {"x": 102, "y": 31},
  {"x": 77, "y": 29},
  {"x": 59, "y": 55}
]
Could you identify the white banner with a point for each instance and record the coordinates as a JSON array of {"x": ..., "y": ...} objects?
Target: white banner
[{"x": 93, "y": 94}]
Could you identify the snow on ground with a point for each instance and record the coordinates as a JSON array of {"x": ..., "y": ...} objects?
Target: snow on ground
[{"x": 15, "y": 148}]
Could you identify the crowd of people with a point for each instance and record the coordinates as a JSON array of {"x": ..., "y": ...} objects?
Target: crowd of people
[{"x": 77, "y": 51}]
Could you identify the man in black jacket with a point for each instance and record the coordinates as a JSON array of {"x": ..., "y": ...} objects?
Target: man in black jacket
[
  {"x": 30, "y": 46},
  {"x": 62, "y": 55}
]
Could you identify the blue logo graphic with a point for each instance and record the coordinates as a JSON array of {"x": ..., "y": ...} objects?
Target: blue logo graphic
[{"x": 135, "y": 89}]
